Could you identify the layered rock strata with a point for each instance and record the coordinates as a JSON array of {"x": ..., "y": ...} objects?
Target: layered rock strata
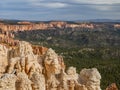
[{"x": 22, "y": 26}]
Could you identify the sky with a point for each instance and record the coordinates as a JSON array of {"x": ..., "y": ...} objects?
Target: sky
[{"x": 45, "y": 10}]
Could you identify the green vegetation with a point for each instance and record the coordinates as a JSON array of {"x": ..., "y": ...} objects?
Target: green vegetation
[
  {"x": 83, "y": 48},
  {"x": 106, "y": 64}
]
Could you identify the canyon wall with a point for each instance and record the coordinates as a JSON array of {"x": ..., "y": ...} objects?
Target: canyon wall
[
  {"x": 21, "y": 26},
  {"x": 24, "y": 25}
]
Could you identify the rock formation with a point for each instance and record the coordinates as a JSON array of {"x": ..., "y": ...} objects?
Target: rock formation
[
  {"x": 23, "y": 82},
  {"x": 22, "y": 26},
  {"x": 117, "y": 26},
  {"x": 7, "y": 82},
  {"x": 3, "y": 59},
  {"x": 90, "y": 78},
  {"x": 113, "y": 86},
  {"x": 28, "y": 67},
  {"x": 38, "y": 81}
]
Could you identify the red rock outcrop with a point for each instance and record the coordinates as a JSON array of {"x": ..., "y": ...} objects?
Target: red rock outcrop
[
  {"x": 7, "y": 38},
  {"x": 89, "y": 26},
  {"x": 113, "y": 86},
  {"x": 40, "y": 50},
  {"x": 117, "y": 26}
]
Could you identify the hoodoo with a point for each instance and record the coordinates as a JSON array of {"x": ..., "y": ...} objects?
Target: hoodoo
[{"x": 22, "y": 69}]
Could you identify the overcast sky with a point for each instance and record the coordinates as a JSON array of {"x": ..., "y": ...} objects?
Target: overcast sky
[{"x": 44, "y": 10}]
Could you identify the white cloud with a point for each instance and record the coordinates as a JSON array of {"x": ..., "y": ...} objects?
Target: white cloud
[
  {"x": 97, "y": 1},
  {"x": 100, "y": 5},
  {"x": 102, "y": 8},
  {"x": 44, "y": 3},
  {"x": 51, "y": 5}
]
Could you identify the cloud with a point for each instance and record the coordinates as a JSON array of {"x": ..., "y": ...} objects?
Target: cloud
[
  {"x": 97, "y": 1},
  {"x": 43, "y": 3},
  {"x": 51, "y": 5},
  {"x": 59, "y": 9},
  {"x": 102, "y": 7}
]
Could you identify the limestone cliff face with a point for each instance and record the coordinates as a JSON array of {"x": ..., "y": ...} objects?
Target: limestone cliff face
[{"x": 23, "y": 67}]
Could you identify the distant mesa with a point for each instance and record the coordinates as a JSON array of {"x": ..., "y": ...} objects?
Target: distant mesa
[{"x": 24, "y": 23}]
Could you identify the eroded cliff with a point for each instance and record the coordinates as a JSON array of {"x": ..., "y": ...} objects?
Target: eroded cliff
[
  {"x": 23, "y": 68},
  {"x": 22, "y": 26}
]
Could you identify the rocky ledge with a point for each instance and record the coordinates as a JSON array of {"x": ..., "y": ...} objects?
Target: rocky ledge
[{"x": 28, "y": 67}]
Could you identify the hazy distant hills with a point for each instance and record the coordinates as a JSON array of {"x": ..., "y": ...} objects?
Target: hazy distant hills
[
  {"x": 88, "y": 20},
  {"x": 103, "y": 20}
]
